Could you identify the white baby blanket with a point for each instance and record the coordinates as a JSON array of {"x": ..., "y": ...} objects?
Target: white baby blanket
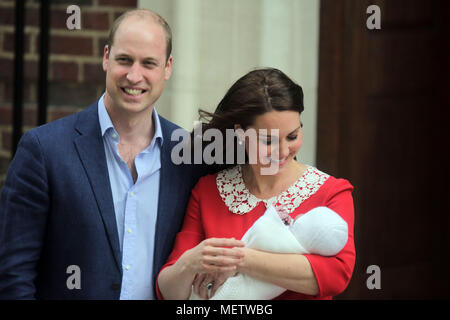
[{"x": 319, "y": 231}]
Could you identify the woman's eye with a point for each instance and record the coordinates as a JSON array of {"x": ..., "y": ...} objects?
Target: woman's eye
[{"x": 292, "y": 138}]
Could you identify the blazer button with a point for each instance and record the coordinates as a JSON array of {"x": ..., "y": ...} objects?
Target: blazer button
[{"x": 115, "y": 286}]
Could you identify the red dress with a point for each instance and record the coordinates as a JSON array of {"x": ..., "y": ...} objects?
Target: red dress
[{"x": 222, "y": 207}]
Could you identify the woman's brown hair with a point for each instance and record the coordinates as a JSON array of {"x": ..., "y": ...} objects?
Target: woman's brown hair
[{"x": 257, "y": 92}]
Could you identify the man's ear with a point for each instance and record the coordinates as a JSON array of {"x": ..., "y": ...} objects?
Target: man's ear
[
  {"x": 105, "y": 57},
  {"x": 168, "y": 68}
]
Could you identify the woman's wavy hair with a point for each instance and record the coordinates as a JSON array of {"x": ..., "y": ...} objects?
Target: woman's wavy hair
[{"x": 257, "y": 92}]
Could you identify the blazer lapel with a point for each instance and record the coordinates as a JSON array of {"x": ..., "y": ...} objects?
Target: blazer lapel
[
  {"x": 167, "y": 199},
  {"x": 91, "y": 152},
  {"x": 164, "y": 200}
]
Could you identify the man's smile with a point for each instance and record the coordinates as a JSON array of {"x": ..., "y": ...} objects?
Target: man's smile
[{"x": 133, "y": 91}]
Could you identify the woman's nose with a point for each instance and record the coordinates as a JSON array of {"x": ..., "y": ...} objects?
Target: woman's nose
[{"x": 284, "y": 149}]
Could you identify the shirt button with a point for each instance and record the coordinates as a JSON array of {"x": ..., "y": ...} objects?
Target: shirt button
[
  {"x": 127, "y": 267},
  {"x": 131, "y": 194},
  {"x": 129, "y": 230},
  {"x": 114, "y": 135}
]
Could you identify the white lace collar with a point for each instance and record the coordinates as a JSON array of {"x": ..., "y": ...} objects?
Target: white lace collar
[{"x": 239, "y": 200}]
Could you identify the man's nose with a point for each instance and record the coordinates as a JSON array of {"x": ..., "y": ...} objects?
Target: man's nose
[{"x": 134, "y": 75}]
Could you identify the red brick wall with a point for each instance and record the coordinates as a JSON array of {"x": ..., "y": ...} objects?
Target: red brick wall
[{"x": 76, "y": 78}]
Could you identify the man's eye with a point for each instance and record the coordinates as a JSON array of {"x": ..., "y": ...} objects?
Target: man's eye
[{"x": 123, "y": 60}]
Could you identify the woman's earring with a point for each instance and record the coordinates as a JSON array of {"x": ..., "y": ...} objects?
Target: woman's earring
[{"x": 240, "y": 136}]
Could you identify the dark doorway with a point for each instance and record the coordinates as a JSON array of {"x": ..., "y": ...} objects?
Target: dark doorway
[{"x": 382, "y": 114}]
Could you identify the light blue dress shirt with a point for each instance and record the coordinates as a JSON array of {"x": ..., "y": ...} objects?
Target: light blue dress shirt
[{"x": 135, "y": 205}]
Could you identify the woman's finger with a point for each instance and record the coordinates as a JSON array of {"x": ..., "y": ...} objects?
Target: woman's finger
[
  {"x": 206, "y": 286},
  {"x": 220, "y": 279},
  {"x": 220, "y": 261},
  {"x": 219, "y": 251},
  {"x": 198, "y": 282},
  {"x": 224, "y": 242}
]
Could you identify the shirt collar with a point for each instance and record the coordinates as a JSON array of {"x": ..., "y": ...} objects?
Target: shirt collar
[{"x": 106, "y": 123}]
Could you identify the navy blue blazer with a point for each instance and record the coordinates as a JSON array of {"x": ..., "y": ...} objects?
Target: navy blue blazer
[{"x": 56, "y": 210}]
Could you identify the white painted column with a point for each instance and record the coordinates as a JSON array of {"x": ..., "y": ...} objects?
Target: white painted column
[
  {"x": 184, "y": 86},
  {"x": 305, "y": 62},
  {"x": 215, "y": 42},
  {"x": 289, "y": 42}
]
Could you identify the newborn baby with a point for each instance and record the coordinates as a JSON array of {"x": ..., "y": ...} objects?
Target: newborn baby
[{"x": 319, "y": 231}]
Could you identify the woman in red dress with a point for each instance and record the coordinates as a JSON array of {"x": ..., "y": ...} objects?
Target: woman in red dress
[{"x": 225, "y": 205}]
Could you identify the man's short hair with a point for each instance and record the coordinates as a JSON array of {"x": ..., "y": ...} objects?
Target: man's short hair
[{"x": 143, "y": 13}]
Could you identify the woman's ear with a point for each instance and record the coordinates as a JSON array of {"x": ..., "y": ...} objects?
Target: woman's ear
[{"x": 239, "y": 132}]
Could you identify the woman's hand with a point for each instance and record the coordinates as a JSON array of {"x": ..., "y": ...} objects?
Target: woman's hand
[
  {"x": 213, "y": 255},
  {"x": 205, "y": 285},
  {"x": 212, "y": 261},
  {"x": 208, "y": 257}
]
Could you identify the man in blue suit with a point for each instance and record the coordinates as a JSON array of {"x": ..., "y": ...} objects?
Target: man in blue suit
[{"x": 92, "y": 202}]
